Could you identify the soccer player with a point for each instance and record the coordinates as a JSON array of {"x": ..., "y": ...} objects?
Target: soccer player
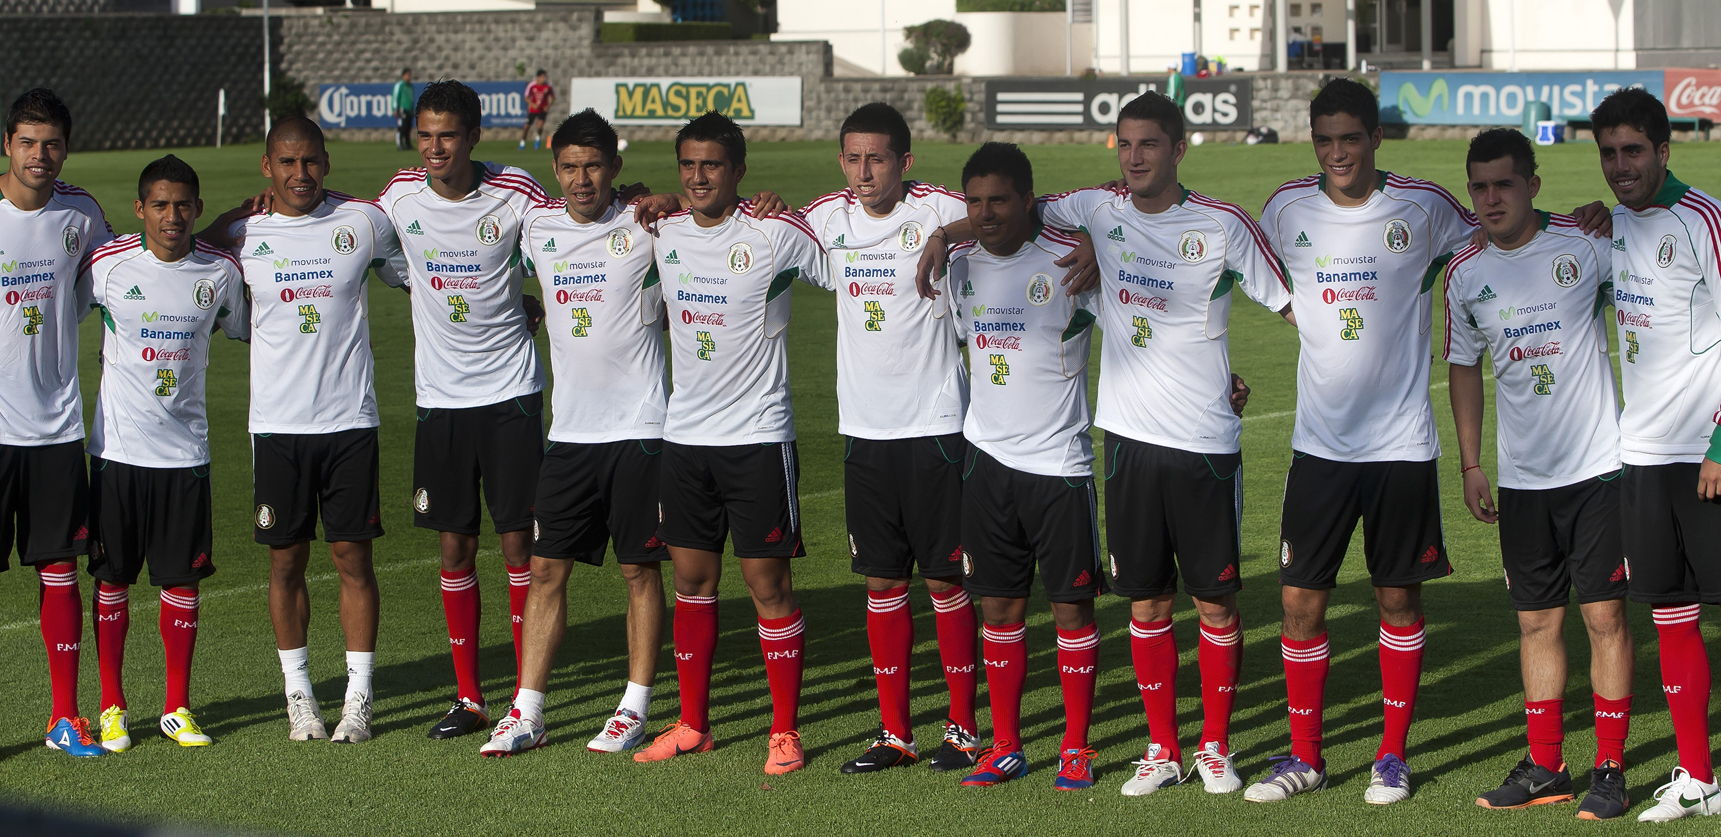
[
  {"x": 1028, "y": 491},
  {"x": 401, "y": 99},
  {"x": 1358, "y": 242},
  {"x": 1170, "y": 261},
  {"x": 1535, "y": 301},
  {"x": 729, "y": 461},
  {"x": 901, "y": 391},
  {"x": 47, "y": 228},
  {"x": 539, "y": 97},
  {"x": 313, "y": 407},
  {"x": 478, "y": 381},
  {"x": 161, "y": 296},
  {"x": 1665, "y": 256},
  {"x": 599, "y": 478}
]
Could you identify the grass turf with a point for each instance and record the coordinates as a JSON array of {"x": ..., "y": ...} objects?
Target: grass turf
[{"x": 1468, "y": 731}]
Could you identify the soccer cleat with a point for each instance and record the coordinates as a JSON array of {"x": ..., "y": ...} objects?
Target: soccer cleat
[
  {"x": 1075, "y": 770},
  {"x": 1152, "y": 772},
  {"x": 623, "y": 731},
  {"x": 1529, "y": 784},
  {"x": 784, "y": 754},
  {"x": 354, "y": 726},
  {"x": 72, "y": 735},
  {"x": 115, "y": 737},
  {"x": 304, "y": 719},
  {"x": 886, "y": 751},
  {"x": 181, "y": 726},
  {"x": 513, "y": 735},
  {"x": 1683, "y": 797},
  {"x": 1388, "y": 782},
  {"x": 1218, "y": 773},
  {"x": 464, "y": 717},
  {"x": 958, "y": 750},
  {"x": 677, "y": 739},
  {"x": 997, "y": 766},
  {"x": 1607, "y": 798},
  {"x": 1289, "y": 777}
]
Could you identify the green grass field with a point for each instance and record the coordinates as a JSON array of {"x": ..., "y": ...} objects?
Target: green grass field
[{"x": 1468, "y": 733}]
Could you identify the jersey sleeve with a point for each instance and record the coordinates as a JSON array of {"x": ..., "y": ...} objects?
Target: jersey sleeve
[
  {"x": 1452, "y": 224},
  {"x": 1254, "y": 266},
  {"x": 388, "y": 258},
  {"x": 88, "y": 297},
  {"x": 800, "y": 256},
  {"x": 1070, "y": 210},
  {"x": 955, "y": 276},
  {"x": 234, "y": 314},
  {"x": 1073, "y": 352},
  {"x": 101, "y": 232},
  {"x": 1464, "y": 342}
]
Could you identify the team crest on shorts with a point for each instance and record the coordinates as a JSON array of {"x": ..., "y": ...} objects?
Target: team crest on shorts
[
  {"x": 203, "y": 293},
  {"x": 346, "y": 240},
  {"x": 912, "y": 236},
  {"x": 1192, "y": 246},
  {"x": 536, "y": 532},
  {"x": 1397, "y": 235},
  {"x": 1040, "y": 289},
  {"x": 1113, "y": 560},
  {"x": 265, "y": 516},
  {"x": 1284, "y": 554},
  {"x": 620, "y": 243},
  {"x": 1664, "y": 252},
  {"x": 1566, "y": 270},
  {"x": 71, "y": 239},
  {"x": 854, "y": 549},
  {"x": 740, "y": 258},
  {"x": 489, "y": 230},
  {"x": 421, "y": 501},
  {"x": 967, "y": 564}
]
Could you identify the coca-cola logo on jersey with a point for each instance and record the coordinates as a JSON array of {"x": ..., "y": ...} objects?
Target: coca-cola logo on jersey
[
  {"x": 308, "y": 292},
  {"x": 712, "y": 318},
  {"x": 1695, "y": 93},
  {"x": 1334, "y": 295},
  {"x": 1544, "y": 350},
  {"x": 32, "y": 295},
  {"x": 1632, "y": 320},
  {"x": 588, "y": 295},
  {"x": 454, "y": 283},
  {"x": 1129, "y": 297},
  {"x": 152, "y": 355},
  {"x": 1009, "y": 343},
  {"x": 872, "y": 289}
]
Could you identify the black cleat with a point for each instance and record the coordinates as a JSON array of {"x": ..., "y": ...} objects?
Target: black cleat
[
  {"x": 958, "y": 752},
  {"x": 1606, "y": 798},
  {"x": 1529, "y": 784},
  {"x": 886, "y": 751},
  {"x": 463, "y": 718}
]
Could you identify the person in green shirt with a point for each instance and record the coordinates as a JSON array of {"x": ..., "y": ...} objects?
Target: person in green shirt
[{"x": 402, "y": 98}]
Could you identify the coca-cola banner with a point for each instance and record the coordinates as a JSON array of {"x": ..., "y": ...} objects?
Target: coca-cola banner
[{"x": 1694, "y": 93}]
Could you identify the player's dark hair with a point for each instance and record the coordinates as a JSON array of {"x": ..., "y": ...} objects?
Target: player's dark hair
[
  {"x": 1348, "y": 96},
  {"x": 541, "y": 72},
  {"x": 295, "y": 129},
  {"x": 717, "y": 128},
  {"x": 169, "y": 168},
  {"x": 1634, "y": 107},
  {"x": 586, "y": 129},
  {"x": 1000, "y": 158},
  {"x": 405, "y": 70},
  {"x": 877, "y": 118},
  {"x": 450, "y": 96},
  {"x": 39, "y": 107},
  {"x": 1153, "y": 107},
  {"x": 1494, "y": 143}
]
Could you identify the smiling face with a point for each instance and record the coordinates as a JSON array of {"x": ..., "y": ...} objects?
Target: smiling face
[
  {"x": 1345, "y": 150},
  {"x": 1634, "y": 167},
  {"x": 585, "y": 175},
  {"x": 167, "y": 211},
  {"x": 445, "y": 145},
  {"x": 296, "y": 169},
  {"x": 1504, "y": 201},
  {"x": 1148, "y": 159},
  {"x": 708, "y": 178},
  {"x": 36, "y": 151},
  {"x": 873, "y": 171},
  {"x": 1001, "y": 216}
]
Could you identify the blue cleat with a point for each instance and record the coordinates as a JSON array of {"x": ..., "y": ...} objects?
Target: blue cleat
[
  {"x": 1075, "y": 770},
  {"x": 996, "y": 767},
  {"x": 72, "y": 735}
]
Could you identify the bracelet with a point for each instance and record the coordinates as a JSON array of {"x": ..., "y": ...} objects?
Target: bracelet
[
  {"x": 1464, "y": 471},
  {"x": 937, "y": 233}
]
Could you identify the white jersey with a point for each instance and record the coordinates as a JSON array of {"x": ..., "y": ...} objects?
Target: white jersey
[
  {"x": 1165, "y": 306},
  {"x": 1028, "y": 355},
  {"x": 1539, "y": 313},
  {"x": 472, "y": 347},
  {"x": 157, "y": 320},
  {"x": 312, "y": 369},
  {"x": 40, "y": 253},
  {"x": 727, "y": 292},
  {"x": 1665, "y": 267},
  {"x": 1360, "y": 282},
  {"x": 603, "y": 309},
  {"x": 899, "y": 372}
]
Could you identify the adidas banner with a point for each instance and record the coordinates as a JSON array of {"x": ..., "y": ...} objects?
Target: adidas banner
[
  {"x": 1092, "y": 104},
  {"x": 1418, "y": 98}
]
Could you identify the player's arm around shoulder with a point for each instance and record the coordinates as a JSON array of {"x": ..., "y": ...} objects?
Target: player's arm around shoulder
[
  {"x": 1463, "y": 349},
  {"x": 796, "y": 247}
]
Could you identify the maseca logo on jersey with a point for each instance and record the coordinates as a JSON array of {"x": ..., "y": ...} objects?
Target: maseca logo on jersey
[
  {"x": 1664, "y": 252},
  {"x": 620, "y": 242},
  {"x": 911, "y": 236},
  {"x": 1192, "y": 246},
  {"x": 740, "y": 258},
  {"x": 346, "y": 240},
  {"x": 489, "y": 230},
  {"x": 203, "y": 293},
  {"x": 1040, "y": 289},
  {"x": 72, "y": 240},
  {"x": 1397, "y": 235}
]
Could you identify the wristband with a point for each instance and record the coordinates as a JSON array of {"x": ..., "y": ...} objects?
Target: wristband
[
  {"x": 939, "y": 233},
  {"x": 1464, "y": 471}
]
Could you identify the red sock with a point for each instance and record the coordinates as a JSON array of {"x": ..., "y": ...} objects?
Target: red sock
[
  {"x": 1078, "y": 666},
  {"x": 1220, "y": 656},
  {"x": 460, "y": 608},
  {"x": 953, "y": 617},
  {"x": 178, "y": 622},
  {"x": 890, "y": 635},
  {"x": 62, "y": 618},
  {"x": 1613, "y": 722},
  {"x": 1006, "y": 650},
  {"x": 783, "y": 641},
  {"x": 1153, "y": 648},
  {"x": 695, "y": 629},
  {"x": 1306, "y": 664},
  {"x": 1685, "y": 681},
  {"x": 519, "y": 584},
  {"x": 113, "y": 618},
  {"x": 1400, "y": 675},
  {"x": 1547, "y": 734}
]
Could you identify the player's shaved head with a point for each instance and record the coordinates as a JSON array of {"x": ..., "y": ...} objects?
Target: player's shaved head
[
  {"x": 39, "y": 107},
  {"x": 1347, "y": 96},
  {"x": 295, "y": 129}
]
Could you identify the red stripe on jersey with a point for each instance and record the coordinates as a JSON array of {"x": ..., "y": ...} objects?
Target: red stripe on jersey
[
  {"x": 1458, "y": 258},
  {"x": 1402, "y": 182},
  {"x": 343, "y": 197},
  {"x": 1059, "y": 237},
  {"x": 1061, "y": 195},
  {"x": 1299, "y": 183},
  {"x": 920, "y": 189},
  {"x": 843, "y": 194},
  {"x": 63, "y": 188},
  {"x": 118, "y": 245},
  {"x": 960, "y": 248},
  {"x": 1249, "y": 224},
  {"x": 212, "y": 250},
  {"x": 554, "y": 203},
  {"x": 1711, "y": 217},
  {"x": 790, "y": 218},
  {"x": 1557, "y": 219}
]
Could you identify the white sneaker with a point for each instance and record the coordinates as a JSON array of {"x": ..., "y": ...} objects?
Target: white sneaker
[
  {"x": 1290, "y": 776},
  {"x": 1683, "y": 797},
  {"x": 1152, "y": 772},
  {"x": 514, "y": 735},
  {"x": 304, "y": 718},
  {"x": 623, "y": 731},
  {"x": 355, "y": 720},
  {"x": 1388, "y": 782},
  {"x": 1218, "y": 775}
]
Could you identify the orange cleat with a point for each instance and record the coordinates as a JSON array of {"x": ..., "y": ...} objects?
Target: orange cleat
[
  {"x": 674, "y": 740},
  {"x": 784, "y": 755}
]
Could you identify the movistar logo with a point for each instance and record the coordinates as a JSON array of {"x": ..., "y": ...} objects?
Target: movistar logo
[
  {"x": 1116, "y": 233},
  {"x": 1302, "y": 239},
  {"x": 150, "y": 316},
  {"x": 430, "y": 254},
  {"x": 135, "y": 293},
  {"x": 282, "y": 263},
  {"x": 560, "y": 266},
  {"x": 414, "y": 229},
  {"x": 550, "y": 247},
  {"x": 1412, "y": 101},
  {"x": 979, "y": 310},
  {"x": 263, "y": 250},
  {"x": 672, "y": 258},
  {"x": 9, "y": 266},
  {"x": 1321, "y": 261},
  {"x": 1486, "y": 294},
  {"x": 852, "y": 256},
  {"x": 685, "y": 278}
]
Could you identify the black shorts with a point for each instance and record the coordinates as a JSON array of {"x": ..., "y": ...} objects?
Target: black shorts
[
  {"x": 295, "y": 477},
  {"x": 1556, "y": 539},
  {"x": 1672, "y": 539},
  {"x": 156, "y": 515},
  {"x": 1162, "y": 502},
  {"x": 44, "y": 502},
  {"x": 536, "y": 116},
  {"x": 1399, "y": 503},
  {"x": 1013, "y": 520},
  {"x": 746, "y": 492},
  {"x": 589, "y": 494},
  {"x": 498, "y": 445},
  {"x": 903, "y": 499}
]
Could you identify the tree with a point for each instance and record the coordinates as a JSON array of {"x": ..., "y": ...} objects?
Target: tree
[{"x": 933, "y": 47}]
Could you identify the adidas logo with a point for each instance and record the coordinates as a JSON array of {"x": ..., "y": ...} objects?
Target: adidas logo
[
  {"x": 776, "y": 535},
  {"x": 672, "y": 258},
  {"x": 550, "y": 246},
  {"x": 1116, "y": 234},
  {"x": 414, "y": 229},
  {"x": 1083, "y": 579},
  {"x": 263, "y": 250},
  {"x": 135, "y": 293},
  {"x": 1619, "y": 244},
  {"x": 1486, "y": 294},
  {"x": 1229, "y": 572},
  {"x": 838, "y": 241},
  {"x": 1302, "y": 240}
]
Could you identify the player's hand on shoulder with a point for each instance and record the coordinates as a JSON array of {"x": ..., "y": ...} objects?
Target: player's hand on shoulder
[
  {"x": 1239, "y": 394},
  {"x": 631, "y": 192},
  {"x": 768, "y": 204},
  {"x": 1709, "y": 480},
  {"x": 931, "y": 265},
  {"x": 649, "y": 209},
  {"x": 1479, "y": 496},
  {"x": 1594, "y": 218},
  {"x": 1119, "y": 185},
  {"x": 534, "y": 312},
  {"x": 1084, "y": 274}
]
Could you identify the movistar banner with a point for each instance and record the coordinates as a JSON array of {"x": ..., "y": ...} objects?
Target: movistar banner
[
  {"x": 1498, "y": 98},
  {"x": 372, "y": 105},
  {"x": 749, "y": 100}
]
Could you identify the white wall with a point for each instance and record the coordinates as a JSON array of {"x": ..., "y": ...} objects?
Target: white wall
[
  {"x": 853, "y": 29},
  {"x": 405, "y": 6},
  {"x": 1575, "y": 34}
]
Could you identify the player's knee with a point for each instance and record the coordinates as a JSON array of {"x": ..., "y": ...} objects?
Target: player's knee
[
  {"x": 1540, "y": 625},
  {"x": 878, "y": 584},
  {"x": 940, "y": 586},
  {"x": 642, "y": 578}
]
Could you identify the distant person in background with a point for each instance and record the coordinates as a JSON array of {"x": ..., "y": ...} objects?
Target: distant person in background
[
  {"x": 402, "y": 99},
  {"x": 539, "y": 96}
]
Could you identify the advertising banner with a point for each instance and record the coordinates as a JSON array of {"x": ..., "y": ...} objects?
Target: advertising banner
[
  {"x": 1693, "y": 94},
  {"x": 1456, "y": 98},
  {"x": 1092, "y": 104},
  {"x": 668, "y": 100},
  {"x": 371, "y": 105}
]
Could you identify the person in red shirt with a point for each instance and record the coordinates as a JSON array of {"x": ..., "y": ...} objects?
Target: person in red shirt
[{"x": 539, "y": 96}]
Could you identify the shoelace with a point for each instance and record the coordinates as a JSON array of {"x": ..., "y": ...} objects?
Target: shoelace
[
  {"x": 957, "y": 736},
  {"x": 1214, "y": 762},
  {"x": 81, "y": 726},
  {"x": 1392, "y": 772},
  {"x": 1287, "y": 764},
  {"x": 1678, "y": 782},
  {"x": 1078, "y": 762},
  {"x": 617, "y": 726}
]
